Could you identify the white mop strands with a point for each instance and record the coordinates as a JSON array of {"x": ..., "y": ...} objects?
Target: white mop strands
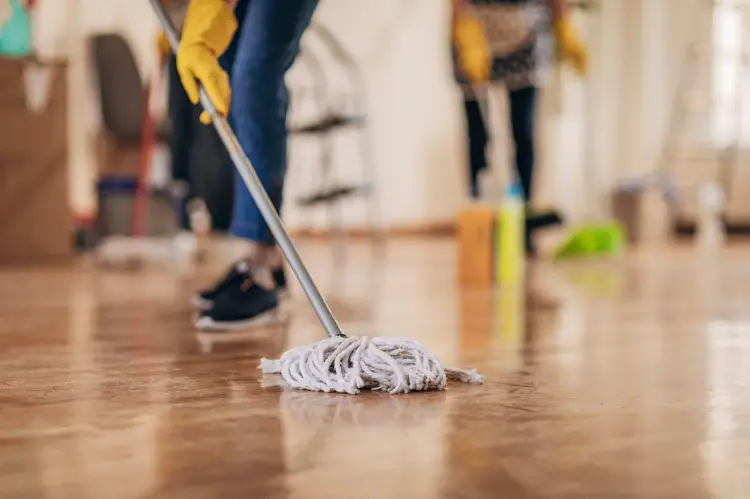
[{"x": 350, "y": 364}]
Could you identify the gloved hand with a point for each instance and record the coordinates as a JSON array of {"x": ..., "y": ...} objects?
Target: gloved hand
[
  {"x": 209, "y": 28},
  {"x": 570, "y": 47},
  {"x": 472, "y": 50}
]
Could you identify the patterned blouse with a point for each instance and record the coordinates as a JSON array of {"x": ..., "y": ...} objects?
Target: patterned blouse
[{"x": 520, "y": 37}]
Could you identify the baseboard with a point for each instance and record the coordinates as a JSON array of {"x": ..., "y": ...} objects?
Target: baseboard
[
  {"x": 439, "y": 229},
  {"x": 436, "y": 229},
  {"x": 687, "y": 229}
]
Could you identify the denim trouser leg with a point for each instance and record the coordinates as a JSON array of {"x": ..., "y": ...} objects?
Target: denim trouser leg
[{"x": 266, "y": 45}]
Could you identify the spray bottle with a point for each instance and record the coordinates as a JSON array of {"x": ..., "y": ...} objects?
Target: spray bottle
[
  {"x": 510, "y": 236},
  {"x": 711, "y": 230}
]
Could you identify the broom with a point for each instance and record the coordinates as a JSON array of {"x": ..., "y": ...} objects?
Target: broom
[
  {"x": 148, "y": 139},
  {"x": 340, "y": 363}
]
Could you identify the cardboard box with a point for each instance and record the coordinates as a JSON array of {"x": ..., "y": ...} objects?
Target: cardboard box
[
  {"x": 36, "y": 222},
  {"x": 476, "y": 245}
]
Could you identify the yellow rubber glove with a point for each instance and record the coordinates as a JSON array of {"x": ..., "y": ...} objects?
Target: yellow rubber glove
[
  {"x": 570, "y": 47},
  {"x": 472, "y": 50},
  {"x": 209, "y": 28}
]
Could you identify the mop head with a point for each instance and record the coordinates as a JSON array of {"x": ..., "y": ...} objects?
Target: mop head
[{"x": 351, "y": 364}]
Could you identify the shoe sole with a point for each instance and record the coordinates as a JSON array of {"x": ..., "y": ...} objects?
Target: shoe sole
[
  {"x": 201, "y": 303},
  {"x": 269, "y": 318},
  {"x": 204, "y": 305}
]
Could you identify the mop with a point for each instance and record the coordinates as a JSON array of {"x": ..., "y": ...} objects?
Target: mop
[{"x": 340, "y": 363}]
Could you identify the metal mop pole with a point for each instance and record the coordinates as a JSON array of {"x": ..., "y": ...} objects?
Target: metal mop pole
[{"x": 253, "y": 184}]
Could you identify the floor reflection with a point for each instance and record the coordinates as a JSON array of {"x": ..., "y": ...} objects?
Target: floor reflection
[{"x": 619, "y": 379}]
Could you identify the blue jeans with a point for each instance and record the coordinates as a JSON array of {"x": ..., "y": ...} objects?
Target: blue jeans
[{"x": 266, "y": 44}]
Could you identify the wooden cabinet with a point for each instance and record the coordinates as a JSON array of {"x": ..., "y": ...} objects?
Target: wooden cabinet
[{"x": 36, "y": 223}]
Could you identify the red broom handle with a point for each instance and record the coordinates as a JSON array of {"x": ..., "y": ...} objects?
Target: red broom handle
[{"x": 148, "y": 139}]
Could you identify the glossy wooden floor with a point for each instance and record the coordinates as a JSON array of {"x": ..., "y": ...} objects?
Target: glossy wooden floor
[{"x": 622, "y": 380}]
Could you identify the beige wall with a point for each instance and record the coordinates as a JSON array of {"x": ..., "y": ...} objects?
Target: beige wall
[
  {"x": 60, "y": 30},
  {"x": 415, "y": 108}
]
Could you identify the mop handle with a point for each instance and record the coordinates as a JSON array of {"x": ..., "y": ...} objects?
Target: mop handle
[{"x": 252, "y": 182}]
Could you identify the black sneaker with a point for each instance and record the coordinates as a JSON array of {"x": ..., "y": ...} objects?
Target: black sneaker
[
  {"x": 239, "y": 272},
  {"x": 279, "y": 279},
  {"x": 241, "y": 306}
]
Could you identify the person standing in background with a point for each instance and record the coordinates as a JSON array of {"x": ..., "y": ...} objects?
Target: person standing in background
[
  {"x": 511, "y": 42},
  {"x": 200, "y": 167},
  {"x": 183, "y": 114}
]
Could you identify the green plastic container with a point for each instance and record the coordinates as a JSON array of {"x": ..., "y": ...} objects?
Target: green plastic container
[{"x": 594, "y": 240}]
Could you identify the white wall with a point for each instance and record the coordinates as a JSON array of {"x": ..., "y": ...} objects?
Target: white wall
[{"x": 415, "y": 109}]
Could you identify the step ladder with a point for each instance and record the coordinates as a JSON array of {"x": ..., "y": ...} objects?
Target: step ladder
[{"x": 705, "y": 130}]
